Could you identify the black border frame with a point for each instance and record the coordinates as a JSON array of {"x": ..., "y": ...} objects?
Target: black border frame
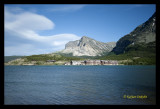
[{"x": 3, "y": 2}]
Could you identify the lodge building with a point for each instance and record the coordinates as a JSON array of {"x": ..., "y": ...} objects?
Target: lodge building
[{"x": 93, "y": 62}]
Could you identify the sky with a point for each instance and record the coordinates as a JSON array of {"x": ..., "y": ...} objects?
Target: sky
[{"x": 31, "y": 29}]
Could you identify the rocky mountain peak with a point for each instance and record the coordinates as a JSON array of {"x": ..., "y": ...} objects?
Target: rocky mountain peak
[
  {"x": 87, "y": 47},
  {"x": 85, "y": 37},
  {"x": 144, "y": 33}
]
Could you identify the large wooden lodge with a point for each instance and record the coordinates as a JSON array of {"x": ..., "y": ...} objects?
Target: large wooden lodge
[{"x": 93, "y": 62}]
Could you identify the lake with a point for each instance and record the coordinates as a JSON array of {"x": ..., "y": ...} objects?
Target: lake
[{"x": 80, "y": 85}]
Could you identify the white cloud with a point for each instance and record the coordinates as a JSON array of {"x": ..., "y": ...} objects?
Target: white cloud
[
  {"x": 25, "y": 25},
  {"x": 27, "y": 21}
]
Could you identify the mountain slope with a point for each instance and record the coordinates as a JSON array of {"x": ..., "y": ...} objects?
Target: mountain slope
[
  {"x": 87, "y": 47},
  {"x": 144, "y": 33},
  {"x": 10, "y": 58}
]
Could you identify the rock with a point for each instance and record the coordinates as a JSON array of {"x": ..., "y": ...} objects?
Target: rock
[
  {"x": 87, "y": 47},
  {"x": 144, "y": 33}
]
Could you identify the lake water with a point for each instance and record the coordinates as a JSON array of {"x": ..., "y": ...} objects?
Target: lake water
[{"x": 76, "y": 85}]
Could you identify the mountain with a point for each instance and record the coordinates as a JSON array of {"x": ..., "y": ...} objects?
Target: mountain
[
  {"x": 143, "y": 35},
  {"x": 87, "y": 47}
]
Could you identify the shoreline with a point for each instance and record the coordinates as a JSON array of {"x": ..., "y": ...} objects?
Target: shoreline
[{"x": 82, "y": 65}]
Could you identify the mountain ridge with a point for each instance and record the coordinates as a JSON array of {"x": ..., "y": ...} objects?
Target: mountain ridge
[
  {"x": 87, "y": 47},
  {"x": 144, "y": 33}
]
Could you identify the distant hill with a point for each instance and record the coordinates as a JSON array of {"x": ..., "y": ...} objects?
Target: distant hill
[
  {"x": 10, "y": 58},
  {"x": 42, "y": 59}
]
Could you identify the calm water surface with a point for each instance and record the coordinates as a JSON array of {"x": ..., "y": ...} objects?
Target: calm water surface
[{"x": 79, "y": 85}]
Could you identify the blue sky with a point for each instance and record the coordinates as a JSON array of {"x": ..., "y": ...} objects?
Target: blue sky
[{"x": 38, "y": 29}]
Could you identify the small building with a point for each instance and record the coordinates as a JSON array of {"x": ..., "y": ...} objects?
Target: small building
[
  {"x": 68, "y": 63},
  {"x": 92, "y": 62},
  {"x": 109, "y": 62},
  {"x": 76, "y": 63}
]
